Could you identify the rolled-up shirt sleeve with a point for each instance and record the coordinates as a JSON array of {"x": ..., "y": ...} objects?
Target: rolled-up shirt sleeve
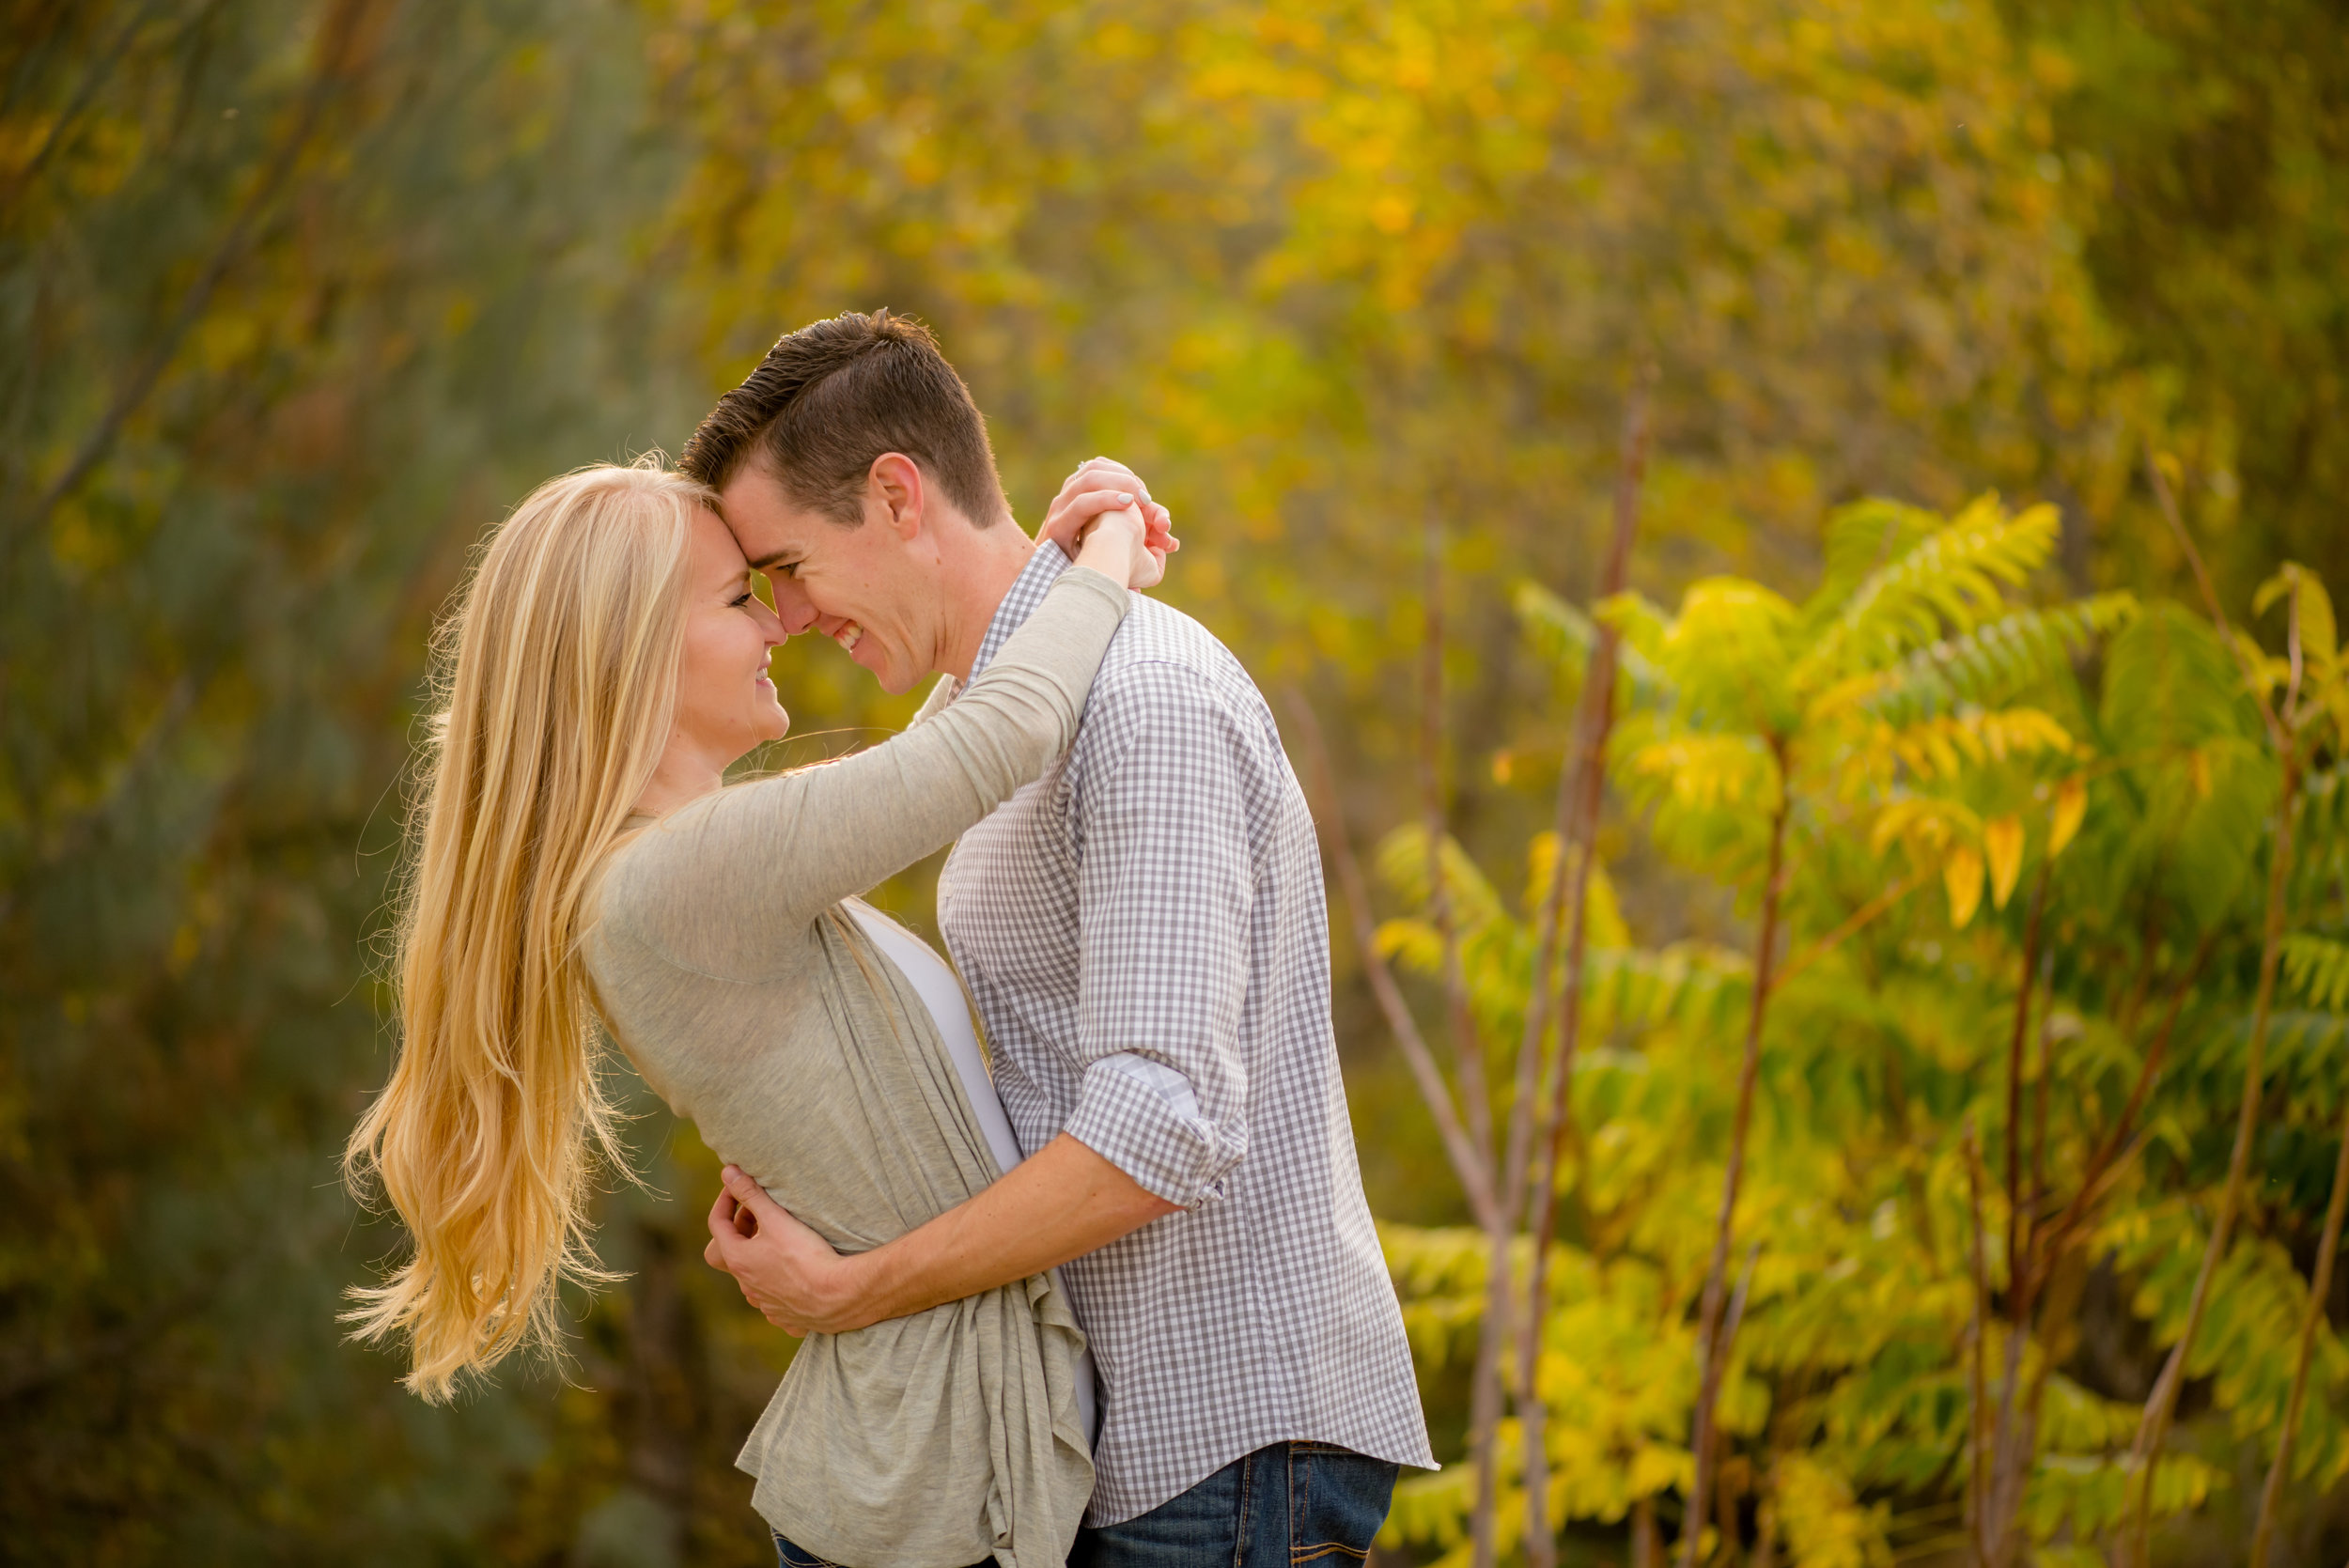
[{"x": 1165, "y": 892}]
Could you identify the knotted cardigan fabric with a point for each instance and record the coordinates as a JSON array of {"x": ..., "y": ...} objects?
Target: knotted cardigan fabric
[{"x": 749, "y": 999}]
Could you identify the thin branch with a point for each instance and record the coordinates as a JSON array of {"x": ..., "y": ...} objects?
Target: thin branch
[
  {"x": 1486, "y": 1395},
  {"x": 1858, "y": 920},
  {"x": 2311, "y": 1317},
  {"x": 2039, "y": 1093},
  {"x": 2092, "y": 1181},
  {"x": 1977, "y": 1331},
  {"x": 1582, "y": 792},
  {"x": 2015, "y": 1203},
  {"x": 1468, "y": 1052},
  {"x": 1709, "y": 1314},
  {"x": 2162, "y": 1404},
  {"x": 1474, "y": 1182}
]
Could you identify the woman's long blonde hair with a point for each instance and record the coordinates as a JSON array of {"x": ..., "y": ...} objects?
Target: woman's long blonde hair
[{"x": 556, "y": 684}]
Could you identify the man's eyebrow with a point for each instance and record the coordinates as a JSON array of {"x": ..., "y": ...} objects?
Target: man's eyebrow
[{"x": 763, "y": 562}]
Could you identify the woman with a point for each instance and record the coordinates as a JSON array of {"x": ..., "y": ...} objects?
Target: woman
[{"x": 577, "y": 861}]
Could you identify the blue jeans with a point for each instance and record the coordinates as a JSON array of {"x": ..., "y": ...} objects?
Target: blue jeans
[
  {"x": 789, "y": 1556},
  {"x": 1288, "y": 1506}
]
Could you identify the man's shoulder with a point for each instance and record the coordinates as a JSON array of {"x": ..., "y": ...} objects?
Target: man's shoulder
[
  {"x": 1168, "y": 677},
  {"x": 1161, "y": 654}
]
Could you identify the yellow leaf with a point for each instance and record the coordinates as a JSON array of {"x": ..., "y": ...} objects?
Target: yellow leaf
[
  {"x": 2003, "y": 841},
  {"x": 1962, "y": 875},
  {"x": 2071, "y": 808}
]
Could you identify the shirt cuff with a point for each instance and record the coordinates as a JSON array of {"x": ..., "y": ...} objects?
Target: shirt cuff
[{"x": 1140, "y": 1124}]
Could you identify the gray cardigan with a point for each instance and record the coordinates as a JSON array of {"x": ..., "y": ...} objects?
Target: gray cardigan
[{"x": 725, "y": 967}]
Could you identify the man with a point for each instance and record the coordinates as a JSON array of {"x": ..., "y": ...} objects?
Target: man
[{"x": 1144, "y": 933}]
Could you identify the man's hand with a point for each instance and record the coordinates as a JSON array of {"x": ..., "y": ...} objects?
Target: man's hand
[
  {"x": 1065, "y": 1202},
  {"x": 787, "y": 1271},
  {"x": 1104, "y": 484}
]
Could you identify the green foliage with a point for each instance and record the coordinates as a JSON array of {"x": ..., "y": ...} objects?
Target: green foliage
[{"x": 1848, "y": 1395}]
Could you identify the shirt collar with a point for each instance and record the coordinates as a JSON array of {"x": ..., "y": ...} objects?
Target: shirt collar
[{"x": 1035, "y": 581}]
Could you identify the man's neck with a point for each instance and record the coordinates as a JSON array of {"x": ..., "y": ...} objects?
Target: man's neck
[{"x": 980, "y": 568}]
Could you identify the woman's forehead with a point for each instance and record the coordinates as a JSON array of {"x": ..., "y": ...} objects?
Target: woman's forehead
[{"x": 715, "y": 557}]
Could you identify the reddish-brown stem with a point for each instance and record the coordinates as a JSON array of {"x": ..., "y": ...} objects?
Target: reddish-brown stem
[
  {"x": 2153, "y": 1428},
  {"x": 2059, "y": 1235},
  {"x": 1582, "y": 792},
  {"x": 1467, "y": 1059},
  {"x": 2016, "y": 1201},
  {"x": 1467, "y": 1049},
  {"x": 1709, "y": 1311},
  {"x": 1858, "y": 921},
  {"x": 1977, "y": 1331},
  {"x": 2039, "y": 1093},
  {"x": 2311, "y": 1317}
]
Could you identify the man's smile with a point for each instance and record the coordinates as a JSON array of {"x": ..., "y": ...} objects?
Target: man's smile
[{"x": 847, "y": 636}]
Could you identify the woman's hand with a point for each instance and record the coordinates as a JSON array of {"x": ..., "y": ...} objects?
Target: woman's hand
[
  {"x": 787, "y": 1271},
  {"x": 1117, "y": 545},
  {"x": 1102, "y": 484}
]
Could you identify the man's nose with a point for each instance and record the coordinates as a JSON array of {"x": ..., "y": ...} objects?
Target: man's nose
[{"x": 791, "y": 605}]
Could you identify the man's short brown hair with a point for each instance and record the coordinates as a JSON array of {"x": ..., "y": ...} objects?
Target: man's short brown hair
[{"x": 834, "y": 395}]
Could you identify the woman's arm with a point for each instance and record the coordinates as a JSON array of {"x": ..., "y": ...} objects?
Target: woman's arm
[{"x": 718, "y": 882}]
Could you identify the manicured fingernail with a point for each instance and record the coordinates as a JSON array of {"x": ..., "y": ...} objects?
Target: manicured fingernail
[{"x": 1125, "y": 498}]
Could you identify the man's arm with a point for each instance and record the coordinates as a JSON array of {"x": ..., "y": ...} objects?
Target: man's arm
[{"x": 1063, "y": 1203}]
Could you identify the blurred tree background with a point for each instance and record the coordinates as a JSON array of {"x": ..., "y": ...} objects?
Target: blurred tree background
[{"x": 300, "y": 296}]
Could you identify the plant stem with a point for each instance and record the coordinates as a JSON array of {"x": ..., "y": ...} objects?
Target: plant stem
[
  {"x": 2312, "y": 1316},
  {"x": 2076, "y": 1214},
  {"x": 1468, "y": 1058},
  {"x": 1709, "y": 1312},
  {"x": 2015, "y": 1203},
  {"x": 2163, "y": 1402},
  {"x": 1467, "y": 1049},
  {"x": 1977, "y": 1331},
  {"x": 1580, "y": 796}
]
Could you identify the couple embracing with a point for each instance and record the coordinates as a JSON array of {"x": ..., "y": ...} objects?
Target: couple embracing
[{"x": 1078, "y": 1240}]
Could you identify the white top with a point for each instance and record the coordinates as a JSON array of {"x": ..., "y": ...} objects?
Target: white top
[{"x": 941, "y": 993}]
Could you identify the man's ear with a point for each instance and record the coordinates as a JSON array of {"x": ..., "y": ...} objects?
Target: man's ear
[{"x": 895, "y": 494}]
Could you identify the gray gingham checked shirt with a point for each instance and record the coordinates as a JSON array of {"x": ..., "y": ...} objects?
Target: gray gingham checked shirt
[{"x": 1143, "y": 932}]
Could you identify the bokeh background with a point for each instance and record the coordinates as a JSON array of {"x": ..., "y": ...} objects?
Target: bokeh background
[{"x": 296, "y": 297}]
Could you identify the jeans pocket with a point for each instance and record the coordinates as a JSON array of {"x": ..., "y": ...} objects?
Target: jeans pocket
[{"x": 1337, "y": 1501}]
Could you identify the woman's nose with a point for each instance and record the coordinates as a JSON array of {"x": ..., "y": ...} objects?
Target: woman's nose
[{"x": 771, "y": 626}]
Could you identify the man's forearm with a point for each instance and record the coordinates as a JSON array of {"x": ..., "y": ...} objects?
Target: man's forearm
[{"x": 1063, "y": 1202}]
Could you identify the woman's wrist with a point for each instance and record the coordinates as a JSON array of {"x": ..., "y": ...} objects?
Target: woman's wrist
[
  {"x": 1113, "y": 548},
  {"x": 1104, "y": 556}
]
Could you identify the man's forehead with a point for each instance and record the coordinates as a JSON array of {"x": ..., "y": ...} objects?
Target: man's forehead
[{"x": 765, "y": 523}]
